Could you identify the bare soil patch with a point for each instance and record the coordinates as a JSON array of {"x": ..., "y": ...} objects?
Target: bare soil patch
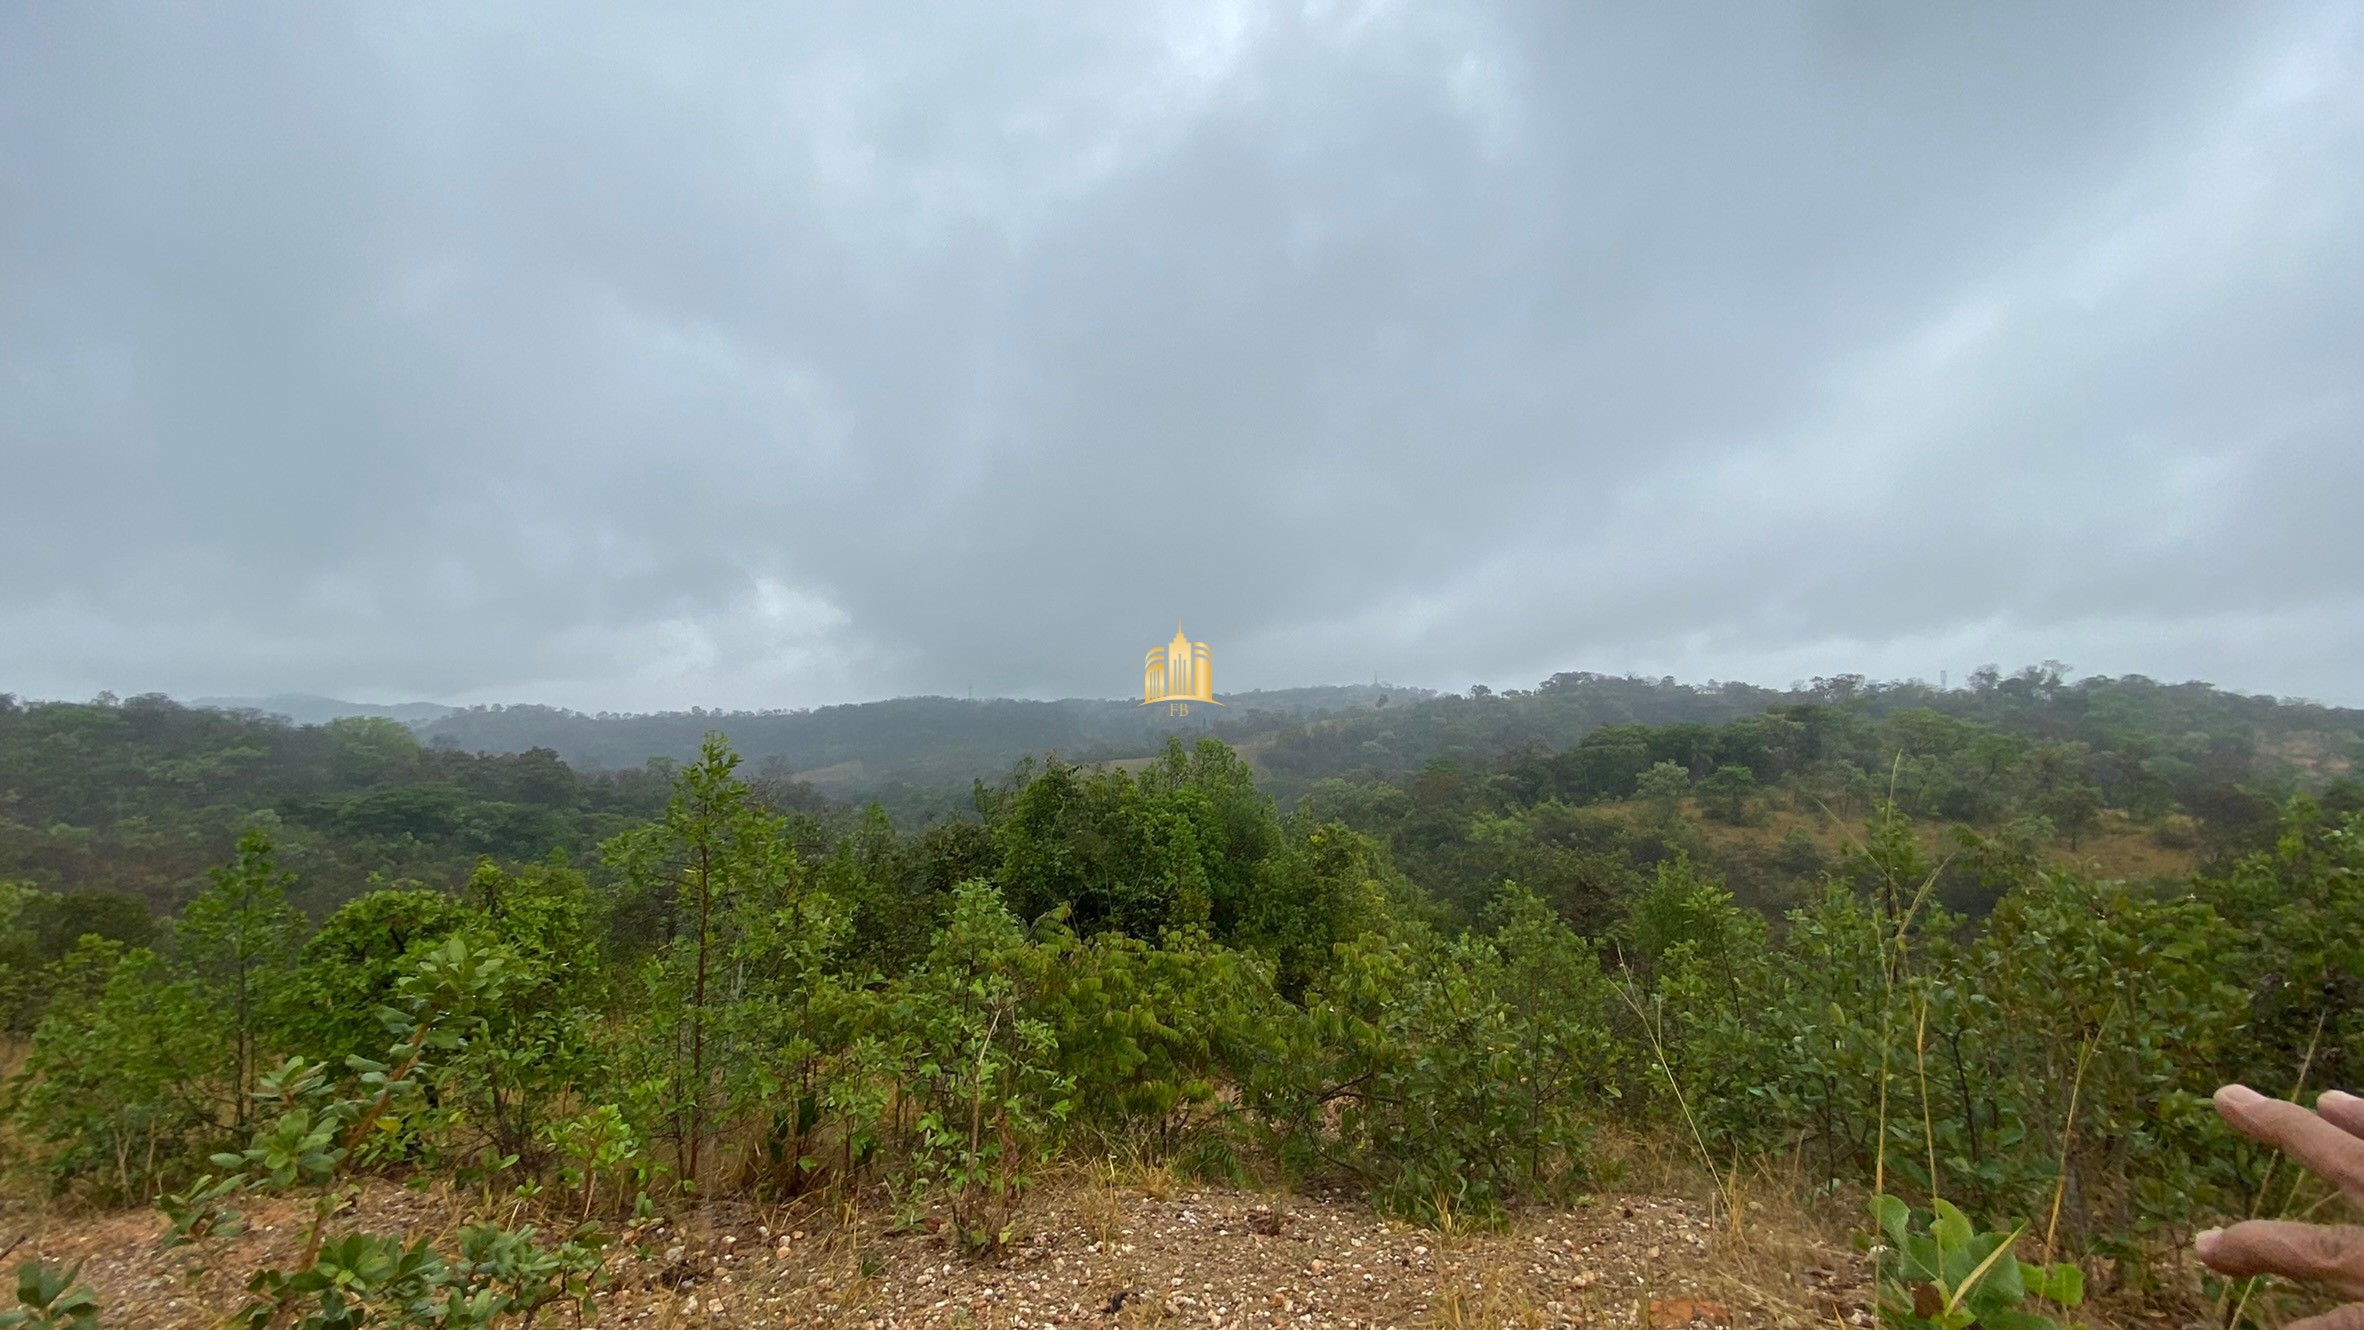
[{"x": 1085, "y": 1256}]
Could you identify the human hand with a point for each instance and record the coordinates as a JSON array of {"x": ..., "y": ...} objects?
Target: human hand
[{"x": 2329, "y": 1142}]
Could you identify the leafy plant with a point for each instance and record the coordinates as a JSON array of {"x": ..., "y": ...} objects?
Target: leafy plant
[
  {"x": 1151, "y": 1037},
  {"x": 240, "y": 937},
  {"x": 344, "y": 1283},
  {"x": 347, "y": 1280},
  {"x": 50, "y": 1299},
  {"x": 716, "y": 862},
  {"x": 1949, "y": 1275},
  {"x": 599, "y": 1143},
  {"x": 349, "y": 967}
]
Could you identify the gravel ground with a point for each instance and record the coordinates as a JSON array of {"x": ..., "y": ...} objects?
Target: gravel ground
[{"x": 1086, "y": 1256}]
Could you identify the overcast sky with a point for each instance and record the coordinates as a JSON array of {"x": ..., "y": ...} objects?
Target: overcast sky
[{"x": 777, "y": 355}]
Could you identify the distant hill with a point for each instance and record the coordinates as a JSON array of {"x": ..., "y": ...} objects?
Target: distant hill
[
  {"x": 921, "y": 753},
  {"x": 312, "y": 709},
  {"x": 2177, "y": 728},
  {"x": 916, "y": 741},
  {"x": 141, "y": 794}
]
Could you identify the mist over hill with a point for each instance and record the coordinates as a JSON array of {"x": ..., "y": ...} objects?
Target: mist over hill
[
  {"x": 909, "y": 740},
  {"x": 921, "y": 753},
  {"x": 140, "y": 795},
  {"x": 313, "y": 709}
]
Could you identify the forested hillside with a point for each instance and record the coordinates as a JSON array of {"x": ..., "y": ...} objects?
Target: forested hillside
[
  {"x": 138, "y": 796},
  {"x": 2126, "y": 777},
  {"x": 919, "y": 754},
  {"x": 873, "y": 748},
  {"x": 2183, "y": 737}
]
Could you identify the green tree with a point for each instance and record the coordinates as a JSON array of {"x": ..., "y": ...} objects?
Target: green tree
[
  {"x": 1662, "y": 787},
  {"x": 118, "y": 1092},
  {"x": 886, "y": 880},
  {"x": 1324, "y": 887},
  {"x": 1727, "y": 794},
  {"x": 1685, "y": 908},
  {"x": 980, "y": 1064},
  {"x": 792, "y": 1026},
  {"x": 2073, "y": 808},
  {"x": 22, "y": 995},
  {"x": 1138, "y": 856},
  {"x": 712, "y": 859},
  {"x": 1797, "y": 856},
  {"x": 240, "y": 938},
  {"x": 528, "y": 1045}
]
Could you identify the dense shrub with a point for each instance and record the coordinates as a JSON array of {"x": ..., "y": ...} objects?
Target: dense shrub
[
  {"x": 980, "y": 1065},
  {"x": 1459, "y": 1071},
  {"x": 348, "y": 969},
  {"x": 2299, "y": 948},
  {"x": 123, "y": 1090},
  {"x": 2060, "y": 1059},
  {"x": 1164, "y": 1046}
]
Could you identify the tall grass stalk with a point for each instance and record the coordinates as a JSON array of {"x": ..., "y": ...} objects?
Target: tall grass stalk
[
  {"x": 2008, "y": 1247},
  {"x": 1895, "y": 953},
  {"x": 2068, "y": 1130},
  {"x": 1921, "y": 1068},
  {"x": 1727, "y": 1185}
]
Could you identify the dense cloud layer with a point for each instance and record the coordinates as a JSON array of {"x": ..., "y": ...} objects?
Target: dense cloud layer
[{"x": 788, "y": 354}]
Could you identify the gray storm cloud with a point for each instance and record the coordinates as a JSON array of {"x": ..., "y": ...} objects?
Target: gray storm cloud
[{"x": 777, "y": 355}]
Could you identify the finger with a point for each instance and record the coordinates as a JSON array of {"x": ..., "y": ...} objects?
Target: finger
[
  {"x": 2325, "y": 1150},
  {"x": 2350, "y": 1317},
  {"x": 2342, "y": 1110},
  {"x": 2324, "y": 1252}
]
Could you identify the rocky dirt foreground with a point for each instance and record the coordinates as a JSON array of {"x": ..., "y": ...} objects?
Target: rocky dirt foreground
[{"x": 1086, "y": 1256}]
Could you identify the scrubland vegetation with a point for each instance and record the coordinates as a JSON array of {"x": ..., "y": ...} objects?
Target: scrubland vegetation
[{"x": 1841, "y": 947}]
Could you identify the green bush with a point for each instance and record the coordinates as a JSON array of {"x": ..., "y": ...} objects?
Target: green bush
[
  {"x": 322, "y": 1128},
  {"x": 2299, "y": 949},
  {"x": 2084, "y": 1029},
  {"x": 1457, "y": 1069},
  {"x": 980, "y": 1065},
  {"x": 123, "y": 1088},
  {"x": 348, "y": 969},
  {"x": 2061, "y": 1057},
  {"x": 1152, "y": 1037}
]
